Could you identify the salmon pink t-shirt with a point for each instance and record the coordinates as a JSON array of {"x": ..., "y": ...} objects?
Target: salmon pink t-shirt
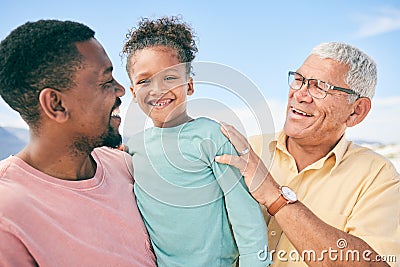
[{"x": 45, "y": 221}]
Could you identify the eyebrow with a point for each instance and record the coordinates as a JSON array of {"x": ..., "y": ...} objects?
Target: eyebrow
[
  {"x": 140, "y": 74},
  {"x": 325, "y": 81}
]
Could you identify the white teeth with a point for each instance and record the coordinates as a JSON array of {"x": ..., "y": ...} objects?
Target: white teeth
[
  {"x": 115, "y": 112},
  {"x": 160, "y": 103},
  {"x": 301, "y": 112}
]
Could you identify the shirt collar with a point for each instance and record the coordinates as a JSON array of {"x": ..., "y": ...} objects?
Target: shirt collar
[
  {"x": 339, "y": 150},
  {"x": 279, "y": 142}
]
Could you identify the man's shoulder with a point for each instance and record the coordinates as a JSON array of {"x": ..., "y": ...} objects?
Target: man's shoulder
[
  {"x": 12, "y": 167},
  {"x": 112, "y": 158},
  {"x": 13, "y": 194},
  {"x": 4, "y": 164},
  {"x": 107, "y": 152},
  {"x": 261, "y": 144},
  {"x": 265, "y": 138},
  {"x": 364, "y": 158},
  {"x": 365, "y": 154}
]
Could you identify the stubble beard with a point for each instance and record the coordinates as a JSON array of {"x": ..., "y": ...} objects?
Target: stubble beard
[{"x": 111, "y": 138}]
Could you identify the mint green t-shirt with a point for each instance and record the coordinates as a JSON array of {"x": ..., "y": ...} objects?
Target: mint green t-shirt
[{"x": 188, "y": 201}]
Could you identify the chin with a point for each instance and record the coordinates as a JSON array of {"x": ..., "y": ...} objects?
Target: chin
[
  {"x": 112, "y": 138},
  {"x": 292, "y": 131},
  {"x": 113, "y": 142}
]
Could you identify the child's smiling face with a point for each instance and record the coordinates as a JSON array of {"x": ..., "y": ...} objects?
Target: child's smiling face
[{"x": 160, "y": 84}]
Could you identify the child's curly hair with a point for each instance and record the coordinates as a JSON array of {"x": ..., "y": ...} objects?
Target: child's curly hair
[{"x": 166, "y": 31}]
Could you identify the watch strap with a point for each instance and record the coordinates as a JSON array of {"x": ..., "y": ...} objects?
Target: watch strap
[{"x": 279, "y": 203}]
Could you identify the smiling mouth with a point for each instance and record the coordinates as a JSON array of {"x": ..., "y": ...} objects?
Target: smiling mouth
[
  {"x": 300, "y": 112},
  {"x": 160, "y": 102},
  {"x": 115, "y": 111}
]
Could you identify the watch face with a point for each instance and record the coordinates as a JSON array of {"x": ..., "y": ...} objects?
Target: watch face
[{"x": 288, "y": 193}]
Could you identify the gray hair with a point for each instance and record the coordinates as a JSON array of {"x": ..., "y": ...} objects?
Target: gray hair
[{"x": 362, "y": 75}]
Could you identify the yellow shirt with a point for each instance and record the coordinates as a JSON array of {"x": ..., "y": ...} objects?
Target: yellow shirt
[{"x": 352, "y": 188}]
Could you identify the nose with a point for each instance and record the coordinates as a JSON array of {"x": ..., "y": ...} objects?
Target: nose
[
  {"x": 158, "y": 88},
  {"x": 119, "y": 89},
  {"x": 302, "y": 94}
]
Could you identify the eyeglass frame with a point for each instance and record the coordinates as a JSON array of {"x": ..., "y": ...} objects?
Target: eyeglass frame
[{"x": 330, "y": 87}]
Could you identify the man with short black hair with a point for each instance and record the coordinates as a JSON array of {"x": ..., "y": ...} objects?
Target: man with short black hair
[{"x": 66, "y": 199}]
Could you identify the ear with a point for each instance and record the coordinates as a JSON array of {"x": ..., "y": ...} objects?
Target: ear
[
  {"x": 51, "y": 102},
  {"x": 190, "y": 89},
  {"x": 133, "y": 93},
  {"x": 361, "y": 107}
]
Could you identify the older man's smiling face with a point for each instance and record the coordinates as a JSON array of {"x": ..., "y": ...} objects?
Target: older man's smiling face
[{"x": 316, "y": 121}]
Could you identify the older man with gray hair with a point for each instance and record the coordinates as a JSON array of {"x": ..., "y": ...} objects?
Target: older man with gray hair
[{"x": 328, "y": 201}]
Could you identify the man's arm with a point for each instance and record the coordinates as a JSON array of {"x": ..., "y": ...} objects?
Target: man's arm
[
  {"x": 306, "y": 231},
  {"x": 303, "y": 228},
  {"x": 12, "y": 250}
]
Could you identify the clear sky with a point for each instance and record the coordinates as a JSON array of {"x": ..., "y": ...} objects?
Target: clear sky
[{"x": 260, "y": 39}]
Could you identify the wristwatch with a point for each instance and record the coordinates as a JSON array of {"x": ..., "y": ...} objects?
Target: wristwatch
[{"x": 286, "y": 196}]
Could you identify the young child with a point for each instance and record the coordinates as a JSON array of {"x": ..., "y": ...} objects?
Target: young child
[{"x": 189, "y": 203}]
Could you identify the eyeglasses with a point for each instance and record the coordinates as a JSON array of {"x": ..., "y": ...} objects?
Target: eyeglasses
[{"x": 316, "y": 88}]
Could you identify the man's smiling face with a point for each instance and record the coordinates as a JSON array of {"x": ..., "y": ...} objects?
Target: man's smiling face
[
  {"x": 318, "y": 120},
  {"x": 93, "y": 103}
]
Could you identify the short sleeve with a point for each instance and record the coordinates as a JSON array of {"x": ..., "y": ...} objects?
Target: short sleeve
[{"x": 12, "y": 250}]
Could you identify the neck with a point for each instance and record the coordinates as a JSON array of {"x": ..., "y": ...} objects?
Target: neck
[
  {"x": 58, "y": 161},
  {"x": 307, "y": 154},
  {"x": 181, "y": 119}
]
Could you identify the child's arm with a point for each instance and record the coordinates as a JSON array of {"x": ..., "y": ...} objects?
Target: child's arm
[{"x": 244, "y": 213}]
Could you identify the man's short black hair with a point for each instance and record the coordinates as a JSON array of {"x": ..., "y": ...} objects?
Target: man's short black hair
[{"x": 39, "y": 55}]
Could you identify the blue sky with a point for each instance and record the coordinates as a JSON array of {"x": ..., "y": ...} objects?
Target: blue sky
[{"x": 260, "y": 39}]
